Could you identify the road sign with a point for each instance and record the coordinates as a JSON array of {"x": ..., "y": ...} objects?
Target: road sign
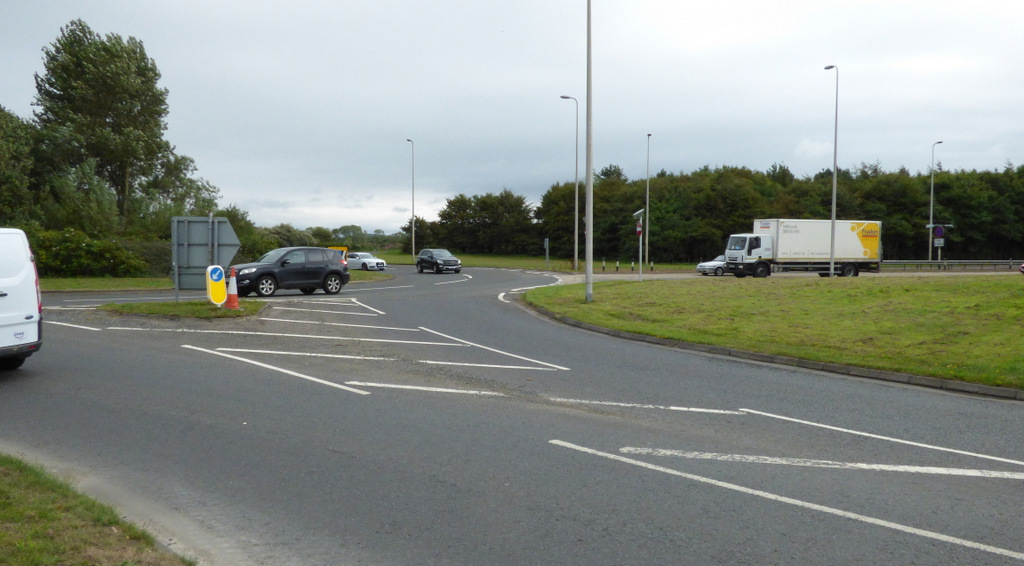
[
  {"x": 639, "y": 227},
  {"x": 939, "y": 232},
  {"x": 939, "y": 242},
  {"x": 216, "y": 286}
]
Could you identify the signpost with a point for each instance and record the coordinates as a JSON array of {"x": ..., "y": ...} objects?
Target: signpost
[
  {"x": 198, "y": 242},
  {"x": 639, "y": 215},
  {"x": 216, "y": 286}
]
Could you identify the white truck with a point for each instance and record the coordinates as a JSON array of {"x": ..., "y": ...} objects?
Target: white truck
[{"x": 805, "y": 245}]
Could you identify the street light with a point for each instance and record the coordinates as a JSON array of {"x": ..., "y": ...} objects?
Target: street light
[
  {"x": 576, "y": 201},
  {"x": 589, "y": 274},
  {"x": 931, "y": 205},
  {"x": 647, "y": 205},
  {"x": 835, "y": 180},
  {"x": 413, "y": 225}
]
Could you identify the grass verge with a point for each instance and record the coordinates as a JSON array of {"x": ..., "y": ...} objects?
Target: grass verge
[
  {"x": 965, "y": 328},
  {"x": 186, "y": 309},
  {"x": 44, "y": 521}
]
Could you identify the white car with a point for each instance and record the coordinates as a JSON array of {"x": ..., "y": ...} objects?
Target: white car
[
  {"x": 365, "y": 261},
  {"x": 716, "y": 266}
]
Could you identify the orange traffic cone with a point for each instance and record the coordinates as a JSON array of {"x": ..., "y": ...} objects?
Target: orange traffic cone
[{"x": 232, "y": 302}]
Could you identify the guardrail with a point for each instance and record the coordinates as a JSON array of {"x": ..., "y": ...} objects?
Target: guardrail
[{"x": 956, "y": 264}]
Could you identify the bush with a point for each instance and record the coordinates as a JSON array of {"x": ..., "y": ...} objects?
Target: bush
[{"x": 70, "y": 253}]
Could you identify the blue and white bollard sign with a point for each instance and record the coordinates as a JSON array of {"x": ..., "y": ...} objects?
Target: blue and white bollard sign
[{"x": 216, "y": 285}]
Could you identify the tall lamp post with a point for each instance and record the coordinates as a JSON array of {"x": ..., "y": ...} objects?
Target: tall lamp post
[
  {"x": 931, "y": 205},
  {"x": 413, "y": 225},
  {"x": 835, "y": 180},
  {"x": 647, "y": 206},
  {"x": 576, "y": 200},
  {"x": 589, "y": 223}
]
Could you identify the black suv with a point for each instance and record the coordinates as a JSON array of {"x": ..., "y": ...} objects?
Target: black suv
[
  {"x": 438, "y": 261},
  {"x": 307, "y": 269}
]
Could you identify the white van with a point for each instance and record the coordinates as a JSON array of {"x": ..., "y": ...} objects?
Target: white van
[{"x": 21, "y": 304}]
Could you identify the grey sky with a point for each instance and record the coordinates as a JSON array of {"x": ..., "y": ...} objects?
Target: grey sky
[{"x": 299, "y": 111}]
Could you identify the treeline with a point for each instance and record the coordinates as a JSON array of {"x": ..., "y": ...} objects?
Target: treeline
[
  {"x": 693, "y": 213},
  {"x": 93, "y": 181}
]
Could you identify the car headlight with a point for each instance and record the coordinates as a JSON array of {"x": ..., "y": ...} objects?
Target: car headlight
[{"x": 246, "y": 271}]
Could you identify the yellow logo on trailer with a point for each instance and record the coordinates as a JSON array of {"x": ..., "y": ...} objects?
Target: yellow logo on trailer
[
  {"x": 869, "y": 234},
  {"x": 216, "y": 285}
]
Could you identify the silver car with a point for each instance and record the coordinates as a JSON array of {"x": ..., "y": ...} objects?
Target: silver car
[
  {"x": 716, "y": 266},
  {"x": 365, "y": 261}
]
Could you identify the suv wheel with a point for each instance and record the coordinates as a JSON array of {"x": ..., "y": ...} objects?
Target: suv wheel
[
  {"x": 332, "y": 284},
  {"x": 266, "y": 286},
  {"x": 419, "y": 268}
]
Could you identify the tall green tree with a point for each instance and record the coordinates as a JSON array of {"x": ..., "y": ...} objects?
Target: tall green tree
[
  {"x": 16, "y": 142},
  {"x": 99, "y": 99}
]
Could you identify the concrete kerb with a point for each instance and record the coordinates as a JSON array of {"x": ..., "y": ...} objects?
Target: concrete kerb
[{"x": 853, "y": 371}]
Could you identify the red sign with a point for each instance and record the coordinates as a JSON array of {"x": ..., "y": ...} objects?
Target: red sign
[{"x": 640, "y": 228}]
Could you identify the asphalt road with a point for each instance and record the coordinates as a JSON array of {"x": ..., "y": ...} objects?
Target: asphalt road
[{"x": 432, "y": 420}]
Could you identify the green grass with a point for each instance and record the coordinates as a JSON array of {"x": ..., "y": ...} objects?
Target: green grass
[
  {"x": 44, "y": 521},
  {"x": 105, "y": 283},
  {"x": 964, "y": 328},
  {"x": 186, "y": 309}
]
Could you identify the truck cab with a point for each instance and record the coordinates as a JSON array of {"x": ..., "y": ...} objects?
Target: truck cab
[{"x": 749, "y": 254}]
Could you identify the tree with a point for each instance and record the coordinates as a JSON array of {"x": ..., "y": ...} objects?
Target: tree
[
  {"x": 16, "y": 142},
  {"x": 99, "y": 99}
]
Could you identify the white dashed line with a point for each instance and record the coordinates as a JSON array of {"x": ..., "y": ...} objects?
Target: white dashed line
[
  {"x": 886, "y": 438},
  {"x": 73, "y": 326},
  {"x": 427, "y": 389},
  {"x": 798, "y": 503},
  {"x": 800, "y": 462},
  {"x": 643, "y": 406}
]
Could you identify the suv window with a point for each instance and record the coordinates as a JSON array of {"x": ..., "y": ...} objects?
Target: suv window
[
  {"x": 315, "y": 256},
  {"x": 295, "y": 256}
]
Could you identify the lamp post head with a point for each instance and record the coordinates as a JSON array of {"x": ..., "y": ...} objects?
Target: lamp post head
[
  {"x": 830, "y": 67},
  {"x": 408, "y": 140},
  {"x": 567, "y": 97},
  {"x": 937, "y": 143}
]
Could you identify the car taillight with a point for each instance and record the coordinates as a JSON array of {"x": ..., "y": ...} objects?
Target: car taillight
[{"x": 39, "y": 293}]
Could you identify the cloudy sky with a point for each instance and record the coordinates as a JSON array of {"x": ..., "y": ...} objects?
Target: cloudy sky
[{"x": 299, "y": 111}]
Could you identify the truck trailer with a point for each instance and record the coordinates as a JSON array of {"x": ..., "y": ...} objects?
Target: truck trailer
[{"x": 805, "y": 245}]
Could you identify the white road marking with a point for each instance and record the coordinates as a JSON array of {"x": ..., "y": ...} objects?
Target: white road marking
[
  {"x": 131, "y": 299},
  {"x": 494, "y": 350},
  {"x": 798, "y": 503},
  {"x": 643, "y": 406},
  {"x": 307, "y": 354},
  {"x": 343, "y": 324},
  {"x": 822, "y": 463},
  {"x": 73, "y": 325},
  {"x": 282, "y": 335},
  {"x": 886, "y": 438},
  {"x": 450, "y": 282},
  {"x": 347, "y": 289},
  {"x": 277, "y": 308},
  {"x": 428, "y": 389},
  {"x": 69, "y": 308},
  {"x": 533, "y": 368},
  {"x": 282, "y": 370},
  {"x": 365, "y": 306}
]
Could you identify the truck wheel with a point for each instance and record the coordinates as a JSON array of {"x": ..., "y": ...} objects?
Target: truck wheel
[
  {"x": 762, "y": 270},
  {"x": 849, "y": 270}
]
